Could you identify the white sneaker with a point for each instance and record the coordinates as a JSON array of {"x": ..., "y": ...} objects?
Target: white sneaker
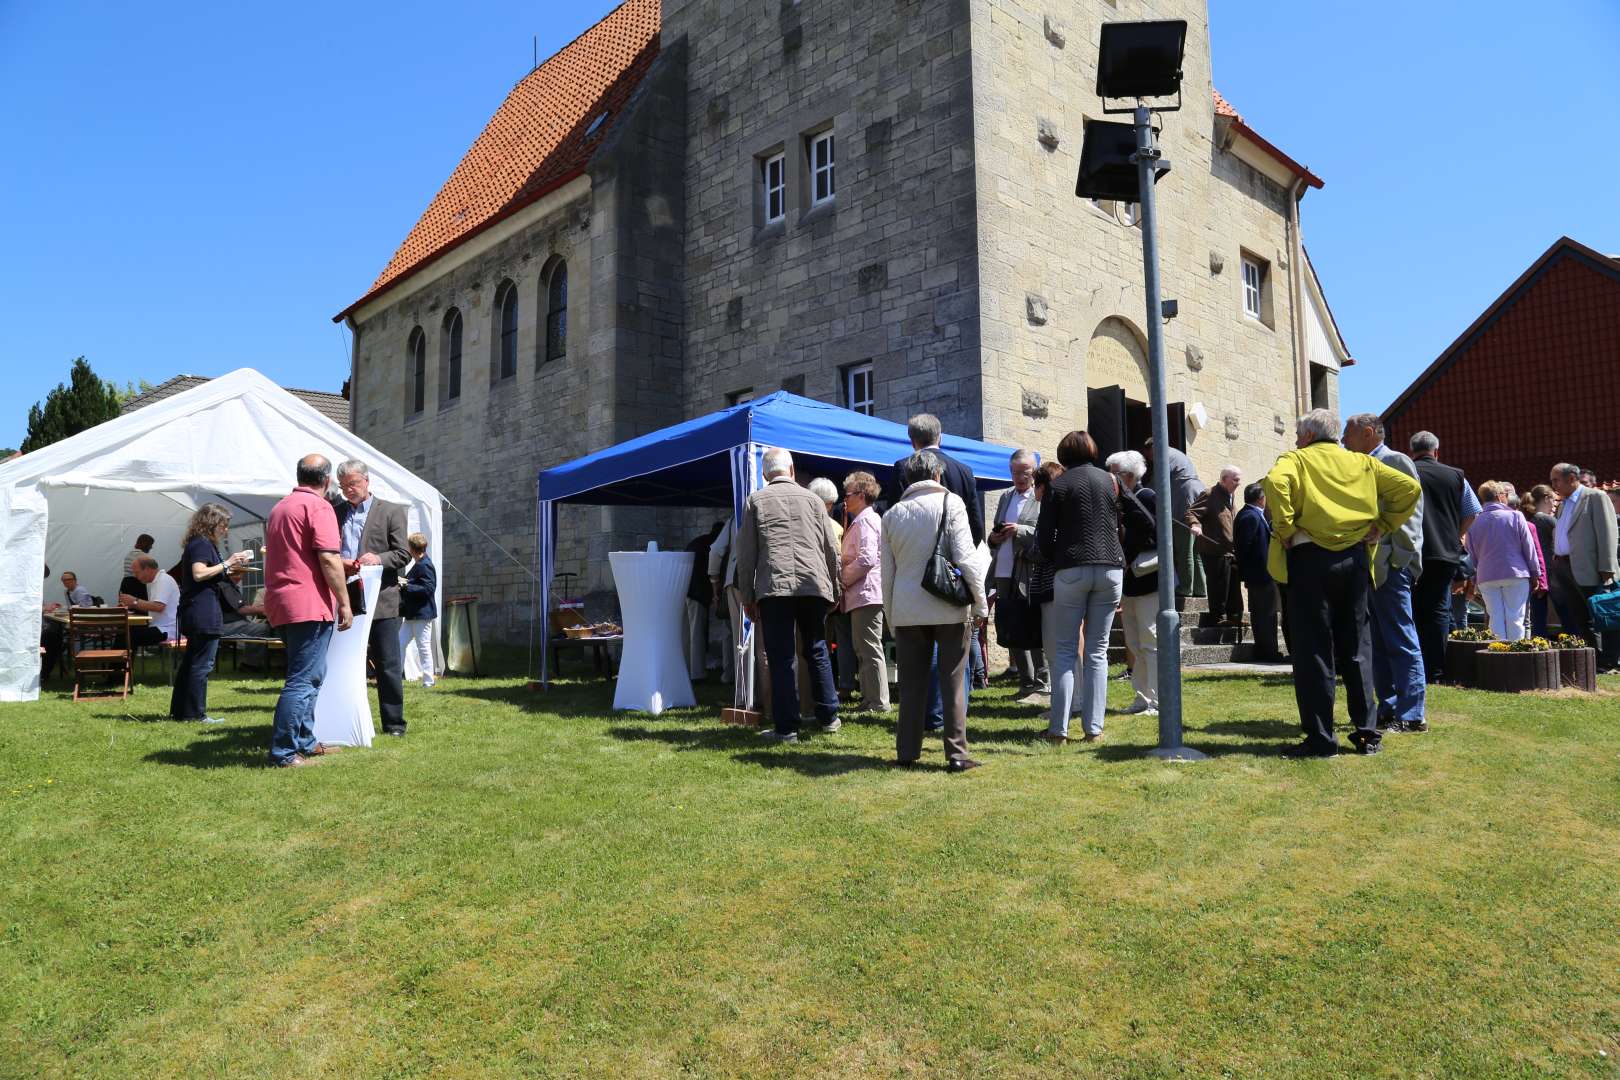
[
  {"x": 1142, "y": 707},
  {"x": 212, "y": 720},
  {"x": 427, "y": 682}
]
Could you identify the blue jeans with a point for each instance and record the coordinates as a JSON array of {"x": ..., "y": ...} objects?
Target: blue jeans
[
  {"x": 1397, "y": 656},
  {"x": 294, "y": 731},
  {"x": 1083, "y": 595},
  {"x": 190, "y": 698}
]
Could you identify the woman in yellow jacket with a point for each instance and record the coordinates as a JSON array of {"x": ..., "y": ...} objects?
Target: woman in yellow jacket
[{"x": 1328, "y": 507}]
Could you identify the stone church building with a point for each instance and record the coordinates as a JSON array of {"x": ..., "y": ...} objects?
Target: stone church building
[{"x": 869, "y": 202}]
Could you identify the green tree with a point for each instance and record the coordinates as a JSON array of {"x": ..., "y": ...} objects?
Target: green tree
[{"x": 80, "y": 404}]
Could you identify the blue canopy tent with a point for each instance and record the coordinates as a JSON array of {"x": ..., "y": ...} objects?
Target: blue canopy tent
[{"x": 714, "y": 461}]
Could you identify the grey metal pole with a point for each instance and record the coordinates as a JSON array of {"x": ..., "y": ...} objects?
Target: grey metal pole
[{"x": 1169, "y": 621}]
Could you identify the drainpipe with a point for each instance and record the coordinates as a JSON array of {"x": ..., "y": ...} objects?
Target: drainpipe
[
  {"x": 354, "y": 372},
  {"x": 1296, "y": 269}
]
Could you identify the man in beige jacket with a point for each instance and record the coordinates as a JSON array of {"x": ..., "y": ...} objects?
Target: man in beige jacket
[{"x": 787, "y": 578}]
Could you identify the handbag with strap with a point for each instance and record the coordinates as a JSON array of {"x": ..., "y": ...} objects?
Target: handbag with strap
[
  {"x": 940, "y": 577},
  {"x": 1605, "y": 610}
]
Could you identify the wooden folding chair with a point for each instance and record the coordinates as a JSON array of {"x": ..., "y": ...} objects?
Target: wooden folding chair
[{"x": 98, "y": 640}]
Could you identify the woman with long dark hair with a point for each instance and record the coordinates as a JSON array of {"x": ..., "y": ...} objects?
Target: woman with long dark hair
[
  {"x": 1078, "y": 533},
  {"x": 202, "y": 620}
]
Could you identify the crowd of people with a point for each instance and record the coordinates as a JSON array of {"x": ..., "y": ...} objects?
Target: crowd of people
[
  {"x": 316, "y": 541},
  {"x": 1355, "y": 557}
]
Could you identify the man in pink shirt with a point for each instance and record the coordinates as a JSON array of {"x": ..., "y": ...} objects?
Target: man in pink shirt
[{"x": 303, "y": 585}]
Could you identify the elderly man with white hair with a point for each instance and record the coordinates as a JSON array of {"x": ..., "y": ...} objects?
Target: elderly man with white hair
[
  {"x": 373, "y": 533},
  {"x": 1012, "y": 527},
  {"x": 787, "y": 579},
  {"x": 1210, "y": 518},
  {"x": 1327, "y": 506}
]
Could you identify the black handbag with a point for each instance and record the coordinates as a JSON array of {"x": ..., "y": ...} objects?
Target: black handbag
[{"x": 940, "y": 577}]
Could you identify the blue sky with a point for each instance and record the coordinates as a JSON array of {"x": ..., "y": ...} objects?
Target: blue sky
[{"x": 198, "y": 190}]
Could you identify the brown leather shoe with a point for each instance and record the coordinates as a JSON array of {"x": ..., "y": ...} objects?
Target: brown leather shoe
[
  {"x": 1090, "y": 737},
  {"x": 961, "y": 764},
  {"x": 1054, "y": 738},
  {"x": 320, "y": 749}
]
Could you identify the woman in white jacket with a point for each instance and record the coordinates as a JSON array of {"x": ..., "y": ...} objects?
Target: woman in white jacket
[{"x": 922, "y": 621}]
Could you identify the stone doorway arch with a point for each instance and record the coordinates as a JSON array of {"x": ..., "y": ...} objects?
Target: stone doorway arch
[{"x": 1117, "y": 356}]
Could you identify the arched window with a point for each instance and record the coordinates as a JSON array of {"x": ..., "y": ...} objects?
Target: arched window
[
  {"x": 506, "y": 313},
  {"x": 416, "y": 375},
  {"x": 557, "y": 312},
  {"x": 450, "y": 378}
]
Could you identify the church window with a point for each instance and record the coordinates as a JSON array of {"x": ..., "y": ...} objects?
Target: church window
[
  {"x": 773, "y": 179},
  {"x": 451, "y": 381},
  {"x": 823, "y": 184},
  {"x": 506, "y": 304},
  {"x": 858, "y": 388},
  {"x": 416, "y": 354},
  {"x": 557, "y": 312}
]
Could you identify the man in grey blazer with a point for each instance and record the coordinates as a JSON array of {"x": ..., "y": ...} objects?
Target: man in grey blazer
[
  {"x": 1015, "y": 519},
  {"x": 373, "y": 533},
  {"x": 1398, "y": 671},
  {"x": 1583, "y": 561}
]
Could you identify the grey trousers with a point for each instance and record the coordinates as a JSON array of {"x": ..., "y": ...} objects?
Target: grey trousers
[
  {"x": 914, "y": 649},
  {"x": 866, "y": 624},
  {"x": 697, "y": 639}
]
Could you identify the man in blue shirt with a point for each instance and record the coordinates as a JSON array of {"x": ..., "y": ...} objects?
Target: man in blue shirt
[{"x": 1398, "y": 670}]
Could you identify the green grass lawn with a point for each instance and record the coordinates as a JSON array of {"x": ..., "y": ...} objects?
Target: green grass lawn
[{"x": 529, "y": 884}]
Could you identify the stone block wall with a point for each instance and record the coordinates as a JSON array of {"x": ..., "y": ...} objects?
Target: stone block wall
[
  {"x": 887, "y": 271},
  {"x": 1061, "y": 295}
]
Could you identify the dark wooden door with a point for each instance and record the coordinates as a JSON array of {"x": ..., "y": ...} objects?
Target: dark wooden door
[{"x": 1105, "y": 420}]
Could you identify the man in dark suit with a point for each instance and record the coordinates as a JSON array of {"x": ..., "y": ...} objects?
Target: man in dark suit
[
  {"x": 924, "y": 430},
  {"x": 374, "y": 533},
  {"x": 1251, "y": 537},
  {"x": 1449, "y": 508}
]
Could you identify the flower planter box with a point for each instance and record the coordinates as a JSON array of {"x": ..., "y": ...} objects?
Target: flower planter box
[
  {"x": 1515, "y": 672},
  {"x": 1460, "y": 661},
  {"x": 1577, "y": 669}
]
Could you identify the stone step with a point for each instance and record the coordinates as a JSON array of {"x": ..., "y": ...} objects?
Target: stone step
[
  {"x": 1193, "y": 635},
  {"x": 1198, "y": 654}
]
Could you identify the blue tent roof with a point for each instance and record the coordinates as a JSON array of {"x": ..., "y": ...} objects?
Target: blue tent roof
[{"x": 689, "y": 464}]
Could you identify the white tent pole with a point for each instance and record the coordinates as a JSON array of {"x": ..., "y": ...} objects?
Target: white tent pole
[{"x": 548, "y": 537}]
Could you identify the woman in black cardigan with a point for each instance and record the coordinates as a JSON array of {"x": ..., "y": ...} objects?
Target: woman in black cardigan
[
  {"x": 1078, "y": 532},
  {"x": 417, "y": 606}
]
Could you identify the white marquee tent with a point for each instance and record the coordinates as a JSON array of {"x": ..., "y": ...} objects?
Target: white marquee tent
[{"x": 79, "y": 504}]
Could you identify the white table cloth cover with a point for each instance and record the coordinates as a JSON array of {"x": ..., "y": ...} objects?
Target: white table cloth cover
[
  {"x": 343, "y": 709},
  {"x": 652, "y": 598}
]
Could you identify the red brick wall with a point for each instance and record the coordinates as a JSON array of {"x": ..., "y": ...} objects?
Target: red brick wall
[{"x": 1538, "y": 386}]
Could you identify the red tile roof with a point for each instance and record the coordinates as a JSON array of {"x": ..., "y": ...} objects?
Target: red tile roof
[
  {"x": 334, "y": 407},
  {"x": 538, "y": 140},
  {"x": 1226, "y": 110}
]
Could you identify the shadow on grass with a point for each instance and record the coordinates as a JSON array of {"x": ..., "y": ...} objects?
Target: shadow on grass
[
  {"x": 220, "y": 748},
  {"x": 801, "y": 758},
  {"x": 808, "y": 763},
  {"x": 1116, "y": 752},
  {"x": 1273, "y": 729}
]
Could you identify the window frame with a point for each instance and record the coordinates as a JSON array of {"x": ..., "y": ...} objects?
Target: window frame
[
  {"x": 854, "y": 402},
  {"x": 554, "y": 345},
  {"x": 416, "y": 356},
  {"x": 777, "y": 158},
  {"x": 824, "y": 137},
  {"x": 454, "y": 356},
  {"x": 506, "y": 337},
  {"x": 1255, "y": 291}
]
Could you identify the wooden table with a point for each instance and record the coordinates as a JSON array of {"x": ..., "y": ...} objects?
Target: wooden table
[
  {"x": 61, "y": 618},
  {"x": 601, "y": 662}
]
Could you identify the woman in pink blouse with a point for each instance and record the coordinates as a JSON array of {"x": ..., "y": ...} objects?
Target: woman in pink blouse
[{"x": 863, "y": 587}]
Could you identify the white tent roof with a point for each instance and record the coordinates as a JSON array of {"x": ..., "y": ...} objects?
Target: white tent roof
[{"x": 79, "y": 504}]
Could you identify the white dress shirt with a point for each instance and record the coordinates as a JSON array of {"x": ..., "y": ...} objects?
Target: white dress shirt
[
  {"x": 1566, "y": 516},
  {"x": 1005, "y": 552}
]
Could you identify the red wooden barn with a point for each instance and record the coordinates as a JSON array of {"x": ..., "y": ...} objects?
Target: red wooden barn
[{"x": 1534, "y": 381}]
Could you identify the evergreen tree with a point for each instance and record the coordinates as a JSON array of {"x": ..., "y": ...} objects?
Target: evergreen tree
[{"x": 81, "y": 404}]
